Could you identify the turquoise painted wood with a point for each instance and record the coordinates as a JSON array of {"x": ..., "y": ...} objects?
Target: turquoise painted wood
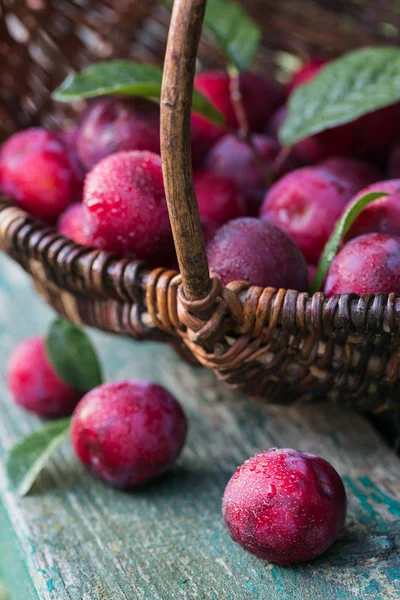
[
  {"x": 13, "y": 567},
  {"x": 76, "y": 539}
]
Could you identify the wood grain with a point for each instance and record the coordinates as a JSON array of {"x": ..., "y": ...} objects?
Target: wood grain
[
  {"x": 175, "y": 109},
  {"x": 80, "y": 540}
]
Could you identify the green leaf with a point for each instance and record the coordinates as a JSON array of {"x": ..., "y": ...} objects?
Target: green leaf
[
  {"x": 122, "y": 77},
  {"x": 28, "y": 458},
  {"x": 236, "y": 34},
  {"x": 125, "y": 78},
  {"x": 358, "y": 83},
  {"x": 341, "y": 228},
  {"x": 73, "y": 356}
]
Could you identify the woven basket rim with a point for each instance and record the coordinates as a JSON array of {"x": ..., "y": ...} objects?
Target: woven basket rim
[
  {"x": 322, "y": 315},
  {"x": 232, "y": 329}
]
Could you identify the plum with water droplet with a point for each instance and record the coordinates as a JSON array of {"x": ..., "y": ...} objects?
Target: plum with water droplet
[
  {"x": 248, "y": 249},
  {"x": 40, "y": 173},
  {"x": 125, "y": 209},
  {"x": 369, "y": 264},
  {"x": 306, "y": 203},
  {"x": 285, "y": 506},
  {"x": 128, "y": 432},
  {"x": 383, "y": 214}
]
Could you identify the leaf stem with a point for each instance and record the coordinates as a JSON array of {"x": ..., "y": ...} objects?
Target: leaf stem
[
  {"x": 243, "y": 132},
  {"x": 342, "y": 227},
  {"x": 279, "y": 160},
  {"x": 237, "y": 101}
]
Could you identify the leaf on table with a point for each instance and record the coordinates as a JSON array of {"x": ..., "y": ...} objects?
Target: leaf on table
[
  {"x": 235, "y": 33},
  {"x": 125, "y": 78},
  {"x": 353, "y": 85},
  {"x": 28, "y": 458},
  {"x": 73, "y": 356},
  {"x": 341, "y": 228}
]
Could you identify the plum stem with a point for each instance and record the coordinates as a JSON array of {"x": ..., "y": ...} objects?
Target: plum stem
[
  {"x": 243, "y": 132},
  {"x": 237, "y": 101}
]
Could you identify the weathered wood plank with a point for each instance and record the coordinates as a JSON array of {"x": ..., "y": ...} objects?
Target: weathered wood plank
[
  {"x": 12, "y": 563},
  {"x": 82, "y": 540}
]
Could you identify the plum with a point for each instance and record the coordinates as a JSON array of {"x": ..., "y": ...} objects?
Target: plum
[
  {"x": 285, "y": 506},
  {"x": 34, "y": 383},
  {"x": 39, "y": 172},
  {"x": 219, "y": 199},
  {"x": 258, "y": 252},
  {"x": 113, "y": 124},
  {"x": 128, "y": 432},
  {"x": 368, "y": 264},
  {"x": 306, "y": 203},
  {"x": 125, "y": 209}
]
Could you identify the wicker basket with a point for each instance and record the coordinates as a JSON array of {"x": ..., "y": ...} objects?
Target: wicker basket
[{"x": 276, "y": 344}]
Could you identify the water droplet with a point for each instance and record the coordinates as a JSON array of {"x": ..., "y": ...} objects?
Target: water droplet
[{"x": 271, "y": 491}]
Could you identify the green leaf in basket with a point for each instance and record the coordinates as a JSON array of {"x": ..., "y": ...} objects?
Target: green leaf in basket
[
  {"x": 73, "y": 356},
  {"x": 341, "y": 228},
  {"x": 359, "y": 82},
  {"x": 235, "y": 33},
  {"x": 28, "y": 458},
  {"x": 125, "y": 78}
]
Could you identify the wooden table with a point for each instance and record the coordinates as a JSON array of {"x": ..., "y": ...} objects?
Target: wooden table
[{"x": 75, "y": 538}]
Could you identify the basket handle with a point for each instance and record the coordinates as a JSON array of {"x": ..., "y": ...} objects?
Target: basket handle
[{"x": 176, "y": 94}]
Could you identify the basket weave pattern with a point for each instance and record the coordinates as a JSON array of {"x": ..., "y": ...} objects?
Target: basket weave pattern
[{"x": 278, "y": 344}]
